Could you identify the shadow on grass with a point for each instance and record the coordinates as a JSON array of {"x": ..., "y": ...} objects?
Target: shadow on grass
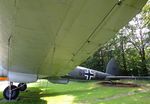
[
  {"x": 35, "y": 94},
  {"x": 90, "y": 93},
  {"x": 27, "y": 97},
  {"x": 39, "y": 93}
]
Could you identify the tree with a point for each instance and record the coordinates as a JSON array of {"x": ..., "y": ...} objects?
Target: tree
[{"x": 130, "y": 47}]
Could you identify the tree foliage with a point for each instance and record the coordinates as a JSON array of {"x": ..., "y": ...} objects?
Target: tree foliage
[{"x": 130, "y": 47}]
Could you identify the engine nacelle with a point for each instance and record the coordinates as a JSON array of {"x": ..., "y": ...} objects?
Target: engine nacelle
[
  {"x": 58, "y": 80},
  {"x": 22, "y": 77}
]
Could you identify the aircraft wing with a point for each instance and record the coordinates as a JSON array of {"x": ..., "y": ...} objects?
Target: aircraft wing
[
  {"x": 51, "y": 37},
  {"x": 128, "y": 77}
]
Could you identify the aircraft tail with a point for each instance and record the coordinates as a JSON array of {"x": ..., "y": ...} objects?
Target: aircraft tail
[{"x": 112, "y": 67}]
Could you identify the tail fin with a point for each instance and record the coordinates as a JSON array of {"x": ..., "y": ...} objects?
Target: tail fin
[{"x": 112, "y": 67}]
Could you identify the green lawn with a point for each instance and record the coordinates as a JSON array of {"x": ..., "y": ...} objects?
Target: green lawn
[{"x": 83, "y": 93}]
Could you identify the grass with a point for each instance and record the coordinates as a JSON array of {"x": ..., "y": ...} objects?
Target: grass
[{"x": 82, "y": 93}]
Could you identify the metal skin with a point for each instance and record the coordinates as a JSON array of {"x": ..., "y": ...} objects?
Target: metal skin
[
  {"x": 49, "y": 38},
  {"x": 82, "y": 73},
  {"x": 112, "y": 73}
]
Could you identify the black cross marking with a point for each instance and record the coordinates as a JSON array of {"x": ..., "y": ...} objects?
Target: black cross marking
[{"x": 89, "y": 74}]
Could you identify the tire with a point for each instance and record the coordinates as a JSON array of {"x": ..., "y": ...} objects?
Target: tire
[
  {"x": 14, "y": 93},
  {"x": 22, "y": 86}
]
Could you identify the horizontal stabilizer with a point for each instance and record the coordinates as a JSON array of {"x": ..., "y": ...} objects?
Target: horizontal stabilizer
[{"x": 129, "y": 77}]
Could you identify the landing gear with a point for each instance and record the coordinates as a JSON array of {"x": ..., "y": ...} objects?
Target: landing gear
[
  {"x": 11, "y": 92},
  {"x": 22, "y": 86}
]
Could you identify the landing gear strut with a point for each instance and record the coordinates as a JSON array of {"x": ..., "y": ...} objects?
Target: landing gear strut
[{"x": 11, "y": 92}]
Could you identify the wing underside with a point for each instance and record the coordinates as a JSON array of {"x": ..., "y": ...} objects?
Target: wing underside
[{"x": 51, "y": 37}]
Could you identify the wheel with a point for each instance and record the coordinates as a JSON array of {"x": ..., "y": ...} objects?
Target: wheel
[
  {"x": 11, "y": 95},
  {"x": 22, "y": 86}
]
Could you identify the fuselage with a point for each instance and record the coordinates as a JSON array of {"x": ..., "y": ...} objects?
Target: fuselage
[
  {"x": 82, "y": 73},
  {"x": 41, "y": 38}
]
